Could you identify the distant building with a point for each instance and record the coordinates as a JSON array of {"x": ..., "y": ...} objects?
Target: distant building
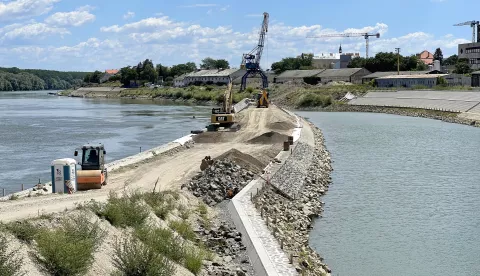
[
  {"x": 476, "y": 79},
  {"x": 108, "y": 73},
  {"x": 428, "y": 80},
  {"x": 112, "y": 71},
  {"x": 214, "y": 76},
  {"x": 353, "y": 75},
  {"x": 470, "y": 51},
  {"x": 296, "y": 76},
  {"x": 257, "y": 80},
  {"x": 333, "y": 60},
  {"x": 458, "y": 80},
  {"x": 370, "y": 77},
  {"x": 426, "y": 57}
]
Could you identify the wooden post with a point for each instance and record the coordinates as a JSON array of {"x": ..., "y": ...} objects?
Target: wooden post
[
  {"x": 291, "y": 258},
  {"x": 22, "y": 187},
  {"x": 281, "y": 244},
  {"x": 3, "y": 191}
]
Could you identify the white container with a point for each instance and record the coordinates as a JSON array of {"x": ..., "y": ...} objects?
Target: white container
[{"x": 64, "y": 175}]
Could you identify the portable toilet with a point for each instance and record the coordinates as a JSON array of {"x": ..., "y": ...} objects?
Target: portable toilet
[{"x": 64, "y": 175}]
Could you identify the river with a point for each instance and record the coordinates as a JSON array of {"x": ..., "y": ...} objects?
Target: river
[
  {"x": 404, "y": 199},
  {"x": 37, "y": 128}
]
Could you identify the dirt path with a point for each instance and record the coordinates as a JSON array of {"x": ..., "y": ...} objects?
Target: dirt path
[{"x": 171, "y": 171}]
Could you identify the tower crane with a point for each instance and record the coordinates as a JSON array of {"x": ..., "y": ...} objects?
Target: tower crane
[
  {"x": 475, "y": 28},
  {"x": 251, "y": 61},
  {"x": 365, "y": 35}
]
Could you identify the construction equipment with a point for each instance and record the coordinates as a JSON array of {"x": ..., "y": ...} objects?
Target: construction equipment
[
  {"x": 251, "y": 61},
  {"x": 475, "y": 29},
  {"x": 365, "y": 35},
  {"x": 224, "y": 116},
  {"x": 93, "y": 174},
  {"x": 206, "y": 162},
  {"x": 262, "y": 99}
]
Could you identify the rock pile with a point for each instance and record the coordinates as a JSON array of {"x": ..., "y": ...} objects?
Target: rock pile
[
  {"x": 227, "y": 243},
  {"x": 210, "y": 185},
  {"x": 291, "y": 220}
]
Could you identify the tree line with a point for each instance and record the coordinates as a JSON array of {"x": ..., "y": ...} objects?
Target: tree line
[
  {"x": 146, "y": 71},
  {"x": 15, "y": 79}
]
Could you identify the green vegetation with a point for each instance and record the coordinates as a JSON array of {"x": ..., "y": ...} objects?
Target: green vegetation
[
  {"x": 388, "y": 62},
  {"x": 69, "y": 249},
  {"x": 312, "y": 100},
  {"x": 23, "y": 230},
  {"x": 121, "y": 212},
  {"x": 134, "y": 258},
  {"x": 33, "y": 79},
  {"x": 210, "y": 63},
  {"x": 205, "y": 219},
  {"x": 183, "y": 228},
  {"x": 10, "y": 264},
  {"x": 162, "y": 241},
  {"x": 194, "y": 258},
  {"x": 303, "y": 62}
]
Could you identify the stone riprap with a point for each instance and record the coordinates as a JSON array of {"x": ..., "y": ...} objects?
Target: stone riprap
[
  {"x": 291, "y": 179},
  {"x": 291, "y": 220},
  {"x": 211, "y": 184}
]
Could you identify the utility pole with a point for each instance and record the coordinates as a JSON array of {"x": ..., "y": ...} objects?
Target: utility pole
[{"x": 398, "y": 60}]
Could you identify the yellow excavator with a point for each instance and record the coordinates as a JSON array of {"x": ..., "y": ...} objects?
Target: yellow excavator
[
  {"x": 224, "y": 116},
  {"x": 262, "y": 99}
]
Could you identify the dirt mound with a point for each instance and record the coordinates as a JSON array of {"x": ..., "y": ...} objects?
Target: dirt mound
[
  {"x": 213, "y": 137},
  {"x": 244, "y": 160},
  {"x": 271, "y": 137},
  {"x": 281, "y": 125}
]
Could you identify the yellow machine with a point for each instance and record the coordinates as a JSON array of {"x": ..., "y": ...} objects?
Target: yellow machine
[
  {"x": 93, "y": 174},
  {"x": 224, "y": 116},
  {"x": 262, "y": 99}
]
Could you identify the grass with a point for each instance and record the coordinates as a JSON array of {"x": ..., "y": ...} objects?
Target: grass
[
  {"x": 69, "y": 249},
  {"x": 14, "y": 197},
  {"x": 203, "y": 210},
  {"x": 161, "y": 203},
  {"x": 162, "y": 241},
  {"x": 122, "y": 211},
  {"x": 194, "y": 259},
  {"x": 183, "y": 228},
  {"x": 132, "y": 257},
  {"x": 312, "y": 100},
  {"x": 10, "y": 264},
  {"x": 23, "y": 230}
]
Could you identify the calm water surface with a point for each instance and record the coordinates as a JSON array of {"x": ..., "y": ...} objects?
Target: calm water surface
[
  {"x": 405, "y": 197},
  {"x": 36, "y": 128}
]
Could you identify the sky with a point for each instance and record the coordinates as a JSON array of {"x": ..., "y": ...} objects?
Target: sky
[{"x": 73, "y": 35}]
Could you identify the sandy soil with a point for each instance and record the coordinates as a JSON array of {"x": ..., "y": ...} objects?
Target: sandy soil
[{"x": 171, "y": 171}]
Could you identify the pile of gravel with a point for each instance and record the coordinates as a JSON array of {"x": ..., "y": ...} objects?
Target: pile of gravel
[{"x": 210, "y": 184}]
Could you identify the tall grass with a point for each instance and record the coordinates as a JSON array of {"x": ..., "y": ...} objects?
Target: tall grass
[
  {"x": 314, "y": 100},
  {"x": 69, "y": 249},
  {"x": 162, "y": 241},
  {"x": 23, "y": 230},
  {"x": 183, "y": 228},
  {"x": 132, "y": 257}
]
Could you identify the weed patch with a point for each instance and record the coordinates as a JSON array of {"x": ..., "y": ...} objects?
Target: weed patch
[
  {"x": 162, "y": 241},
  {"x": 132, "y": 257},
  {"x": 183, "y": 228},
  {"x": 23, "y": 230},
  {"x": 10, "y": 265}
]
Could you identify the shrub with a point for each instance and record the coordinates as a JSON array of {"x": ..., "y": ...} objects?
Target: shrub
[
  {"x": 209, "y": 88},
  {"x": 183, "y": 228},
  {"x": 193, "y": 259},
  {"x": 312, "y": 100},
  {"x": 160, "y": 204},
  {"x": 178, "y": 94},
  {"x": 125, "y": 211},
  {"x": 250, "y": 89},
  {"x": 132, "y": 258},
  {"x": 10, "y": 265},
  {"x": 69, "y": 249},
  {"x": 162, "y": 241},
  {"x": 23, "y": 230}
]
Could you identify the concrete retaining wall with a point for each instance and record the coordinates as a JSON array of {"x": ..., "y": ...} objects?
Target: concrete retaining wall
[{"x": 265, "y": 253}]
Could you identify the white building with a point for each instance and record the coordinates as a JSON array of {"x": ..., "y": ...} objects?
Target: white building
[{"x": 215, "y": 76}]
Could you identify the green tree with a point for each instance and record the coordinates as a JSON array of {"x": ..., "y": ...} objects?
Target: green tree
[
  {"x": 462, "y": 67},
  {"x": 222, "y": 63},
  {"x": 128, "y": 74},
  {"x": 96, "y": 76},
  {"x": 208, "y": 63},
  {"x": 451, "y": 60},
  {"x": 181, "y": 69},
  {"x": 438, "y": 55},
  {"x": 148, "y": 73}
]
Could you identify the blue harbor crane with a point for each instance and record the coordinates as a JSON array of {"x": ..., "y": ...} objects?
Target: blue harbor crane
[{"x": 251, "y": 61}]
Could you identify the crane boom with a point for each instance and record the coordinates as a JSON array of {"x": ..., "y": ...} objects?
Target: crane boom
[
  {"x": 475, "y": 29},
  {"x": 365, "y": 35},
  {"x": 251, "y": 61}
]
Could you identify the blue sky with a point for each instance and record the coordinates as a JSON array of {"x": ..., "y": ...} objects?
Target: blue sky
[{"x": 96, "y": 35}]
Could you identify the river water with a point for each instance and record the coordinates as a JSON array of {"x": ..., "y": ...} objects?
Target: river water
[
  {"x": 36, "y": 128},
  {"x": 405, "y": 197}
]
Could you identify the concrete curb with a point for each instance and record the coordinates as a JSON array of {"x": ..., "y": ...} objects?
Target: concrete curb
[{"x": 265, "y": 253}]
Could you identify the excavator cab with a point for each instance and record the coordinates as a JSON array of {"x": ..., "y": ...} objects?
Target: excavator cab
[
  {"x": 262, "y": 99},
  {"x": 93, "y": 174},
  {"x": 224, "y": 116}
]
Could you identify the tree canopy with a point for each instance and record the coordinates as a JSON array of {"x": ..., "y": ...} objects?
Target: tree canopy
[
  {"x": 37, "y": 79},
  {"x": 303, "y": 62},
  {"x": 385, "y": 62},
  {"x": 438, "y": 55},
  {"x": 451, "y": 60},
  {"x": 210, "y": 63},
  {"x": 462, "y": 67}
]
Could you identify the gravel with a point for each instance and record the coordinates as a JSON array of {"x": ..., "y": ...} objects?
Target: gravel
[{"x": 293, "y": 219}]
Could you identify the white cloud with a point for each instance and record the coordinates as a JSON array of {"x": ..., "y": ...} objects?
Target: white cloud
[
  {"x": 254, "y": 15},
  {"x": 147, "y": 24},
  {"x": 198, "y": 6},
  {"x": 75, "y": 18},
  {"x": 225, "y": 8},
  {"x": 19, "y": 9},
  {"x": 129, "y": 15},
  {"x": 30, "y": 31}
]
